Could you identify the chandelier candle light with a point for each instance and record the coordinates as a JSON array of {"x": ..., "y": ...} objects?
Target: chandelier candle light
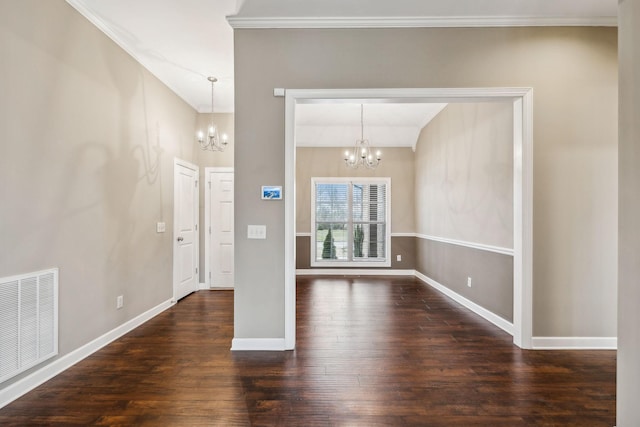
[
  {"x": 361, "y": 153},
  {"x": 212, "y": 141}
]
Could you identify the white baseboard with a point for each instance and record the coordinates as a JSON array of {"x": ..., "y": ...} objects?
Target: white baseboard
[
  {"x": 203, "y": 287},
  {"x": 28, "y": 383},
  {"x": 258, "y": 344},
  {"x": 501, "y": 323},
  {"x": 352, "y": 272},
  {"x": 575, "y": 343}
]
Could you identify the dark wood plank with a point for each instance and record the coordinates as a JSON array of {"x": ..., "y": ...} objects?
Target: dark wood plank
[{"x": 370, "y": 352}]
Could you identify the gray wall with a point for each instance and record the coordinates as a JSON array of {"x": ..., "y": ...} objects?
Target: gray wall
[
  {"x": 400, "y": 245},
  {"x": 574, "y": 75},
  {"x": 450, "y": 265},
  {"x": 87, "y": 142},
  {"x": 628, "y": 410}
]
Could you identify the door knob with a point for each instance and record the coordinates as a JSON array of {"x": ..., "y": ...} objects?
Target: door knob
[{"x": 180, "y": 239}]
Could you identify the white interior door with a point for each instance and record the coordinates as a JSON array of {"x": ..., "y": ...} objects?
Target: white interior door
[
  {"x": 220, "y": 226},
  {"x": 185, "y": 229}
]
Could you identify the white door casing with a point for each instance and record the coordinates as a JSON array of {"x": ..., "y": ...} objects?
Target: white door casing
[
  {"x": 185, "y": 229},
  {"x": 522, "y": 99},
  {"x": 219, "y": 212}
]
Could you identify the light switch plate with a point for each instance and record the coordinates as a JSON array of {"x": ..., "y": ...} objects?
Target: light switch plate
[
  {"x": 161, "y": 227},
  {"x": 256, "y": 231}
]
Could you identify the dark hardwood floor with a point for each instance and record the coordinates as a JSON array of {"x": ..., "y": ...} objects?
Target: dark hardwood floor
[{"x": 370, "y": 352}]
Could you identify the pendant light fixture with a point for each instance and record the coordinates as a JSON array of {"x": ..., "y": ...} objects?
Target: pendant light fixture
[
  {"x": 361, "y": 153},
  {"x": 212, "y": 141}
]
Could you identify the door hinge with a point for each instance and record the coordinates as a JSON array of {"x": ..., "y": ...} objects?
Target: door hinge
[
  {"x": 209, "y": 185},
  {"x": 209, "y": 229},
  {"x": 196, "y": 183},
  {"x": 209, "y": 275},
  {"x": 196, "y": 270},
  {"x": 196, "y": 227}
]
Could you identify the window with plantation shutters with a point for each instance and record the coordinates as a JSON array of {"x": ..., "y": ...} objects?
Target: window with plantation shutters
[{"x": 350, "y": 220}]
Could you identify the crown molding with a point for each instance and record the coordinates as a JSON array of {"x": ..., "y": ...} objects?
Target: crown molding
[
  {"x": 82, "y": 9},
  {"x": 238, "y": 22}
]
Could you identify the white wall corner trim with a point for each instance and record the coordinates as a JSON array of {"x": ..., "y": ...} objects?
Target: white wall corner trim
[
  {"x": 501, "y": 323},
  {"x": 353, "y": 272},
  {"x": 28, "y": 383},
  {"x": 575, "y": 343},
  {"x": 238, "y": 22},
  {"x": 480, "y": 246},
  {"x": 258, "y": 344}
]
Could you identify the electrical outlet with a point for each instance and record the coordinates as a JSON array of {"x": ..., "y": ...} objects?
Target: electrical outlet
[
  {"x": 469, "y": 281},
  {"x": 120, "y": 302},
  {"x": 398, "y": 258}
]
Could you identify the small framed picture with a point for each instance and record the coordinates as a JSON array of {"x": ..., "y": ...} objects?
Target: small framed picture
[{"x": 271, "y": 192}]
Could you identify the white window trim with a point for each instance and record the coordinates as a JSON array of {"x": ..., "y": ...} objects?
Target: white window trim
[{"x": 350, "y": 264}]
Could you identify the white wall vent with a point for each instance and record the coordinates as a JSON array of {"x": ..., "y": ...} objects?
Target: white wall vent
[{"x": 28, "y": 321}]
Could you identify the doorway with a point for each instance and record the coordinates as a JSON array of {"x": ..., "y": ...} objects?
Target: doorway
[{"x": 521, "y": 99}]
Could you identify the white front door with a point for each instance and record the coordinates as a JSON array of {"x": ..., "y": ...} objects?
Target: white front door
[
  {"x": 185, "y": 229},
  {"x": 220, "y": 222}
]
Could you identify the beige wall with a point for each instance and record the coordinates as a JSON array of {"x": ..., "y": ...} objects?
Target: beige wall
[
  {"x": 464, "y": 191},
  {"x": 397, "y": 164},
  {"x": 628, "y": 410},
  {"x": 573, "y": 72},
  {"x": 464, "y": 174},
  {"x": 87, "y": 142}
]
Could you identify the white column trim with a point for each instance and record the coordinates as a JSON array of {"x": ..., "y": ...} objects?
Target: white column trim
[
  {"x": 523, "y": 219},
  {"x": 290, "y": 224}
]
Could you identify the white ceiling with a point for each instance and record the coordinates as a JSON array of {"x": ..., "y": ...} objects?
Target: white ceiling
[
  {"x": 385, "y": 124},
  {"x": 182, "y": 42}
]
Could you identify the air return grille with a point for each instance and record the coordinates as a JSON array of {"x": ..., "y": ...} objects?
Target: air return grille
[{"x": 28, "y": 321}]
